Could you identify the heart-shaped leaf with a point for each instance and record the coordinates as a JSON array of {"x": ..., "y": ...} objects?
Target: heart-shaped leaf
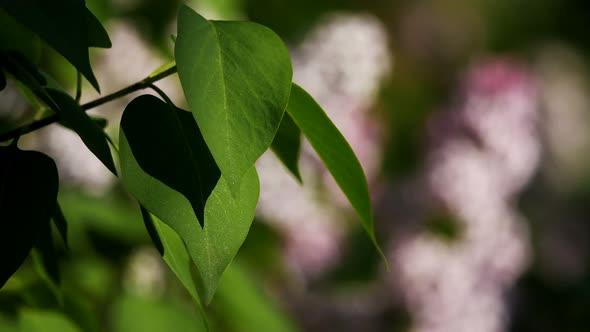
[
  {"x": 336, "y": 154},
  {"x": 74, "y": 117},
  {"x": 227, "y": 219},
  {"x": 166, "y": 142},
  {"x": 236, "y": 77},
  {"x": 287, "y": 144},
  {"x": 28, "y": 194}
]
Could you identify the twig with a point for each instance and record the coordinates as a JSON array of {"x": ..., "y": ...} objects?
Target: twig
[{"x": 143, "y": 84}]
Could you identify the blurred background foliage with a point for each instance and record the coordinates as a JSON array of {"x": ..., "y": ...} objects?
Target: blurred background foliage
[{"x": 393, "y": 74}]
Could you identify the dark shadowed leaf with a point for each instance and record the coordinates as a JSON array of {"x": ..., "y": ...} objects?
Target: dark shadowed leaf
[
  {"x": 14, "y": 36},
  {"x": 61, "y": 224},
  {"x": 22, "y": 69},
  {"x": 168, "y": 146},
  {"x": 45, "y": 252},
  {"x": 336, "y": 154},
  {"x": 287, "y": 144},
  {"x": 74, "y": 117},
  {"x": 236, "y": 77},
  {"x": 227, "y": 219},
  {"x": 65, "y": 25},
  {"x": 151, "y": 229},
  {"x": 97, "y": 35},
  {"x": 28, "y": 193},
  {"x": 100, "y": 122}
]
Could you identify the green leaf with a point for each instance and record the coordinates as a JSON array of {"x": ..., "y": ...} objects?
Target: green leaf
[
  {"x": 236, "y": 77},
  {"x": 136, "y": 313},
  {"x": 28, "y": 193},
  {"x": 227, "y": 219},
  {"x": 176, "y": 256},
  {"x": 178, "y": 259},
  {"x": 74, "y": 117},
  {"x": 336, "y": 154},
  {"x": 65, "y": 25},
  {"x": 287, "y": 145},
  {"x": 166, "y": 142},
  {"x": 35, "y": 320},
  {"x": 46, "y": 253},
  {"x": 152, "y": 231},
  {"x": 60, "y": 222}
]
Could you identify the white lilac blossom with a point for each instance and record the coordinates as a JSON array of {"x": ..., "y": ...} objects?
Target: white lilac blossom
[
  {"x": 483, "y": 152},
  {"x": 341, "y": 64}
]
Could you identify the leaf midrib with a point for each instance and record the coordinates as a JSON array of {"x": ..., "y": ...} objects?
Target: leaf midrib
[{"x": 227, "y": 132}]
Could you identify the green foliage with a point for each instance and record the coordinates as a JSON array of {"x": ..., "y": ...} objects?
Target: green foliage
[
  {"x": 178, "y": 259},
  {"x": 335, "y": 152},
  {"x": 46, "y": 254},
  {"x": 157, "y": 137},
  {"x": 236, "y": 77},
  {"x": 193, "y": 173},
  {"x": 74, "y": 117},
  {"x": 146, "y": 160},
  {"x": 287, "y": 144},
  {"x": 71, "y": 36}
]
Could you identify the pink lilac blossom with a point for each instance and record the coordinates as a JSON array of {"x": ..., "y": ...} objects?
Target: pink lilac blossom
[{"x": 483, "y": 152}]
